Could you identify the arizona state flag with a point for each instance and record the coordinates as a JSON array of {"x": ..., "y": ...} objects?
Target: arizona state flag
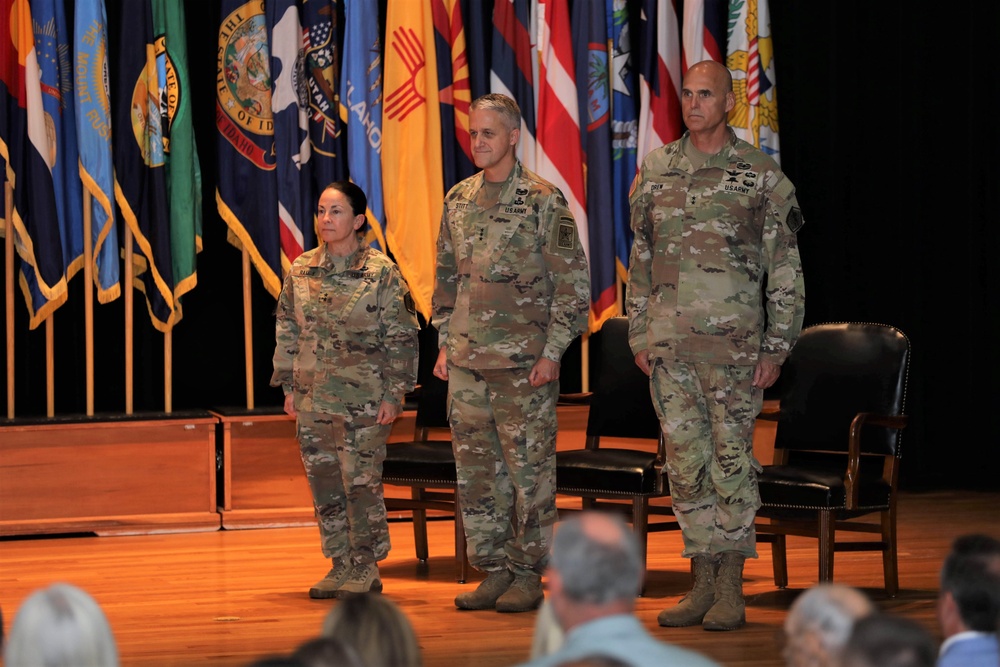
[
  {"x": 179, "y": 149},
  {"x": 411, "y": 148},
  {"x": 361, "y": 106},
  {"x": 93, "y": 123},
  {"x": 25, "y": 149},
  {"x": 246, "y": 194},
  {"x": 140, "y": 173},
  {"x": 453, "y": 81}
]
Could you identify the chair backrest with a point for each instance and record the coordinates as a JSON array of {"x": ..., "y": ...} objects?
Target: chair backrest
[
  {"x": 835, "y": 371},
  {"x": 621, "y": 405}
]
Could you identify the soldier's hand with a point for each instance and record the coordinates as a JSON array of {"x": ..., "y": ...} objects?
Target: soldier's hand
[
  {"x": 543, "y": 372},
  {"x": 388, "y": 412},
  {"x": 290, "y": 405},
  {"x": 642, "y": 361},
  {"x": 765, "y": 374},
  {"x": 441, "y": 365}
]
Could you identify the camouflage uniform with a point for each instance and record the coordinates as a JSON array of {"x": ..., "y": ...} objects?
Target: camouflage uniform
[
  {"x": 704, "y": 241},
  {"x": 512, "y": 287},
  {"x": 346, "y": 341}
]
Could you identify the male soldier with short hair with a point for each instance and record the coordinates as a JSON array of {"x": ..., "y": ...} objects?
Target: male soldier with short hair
[
  {"x": 512, "y": 293},
  {"x": 713, "y": 216}
]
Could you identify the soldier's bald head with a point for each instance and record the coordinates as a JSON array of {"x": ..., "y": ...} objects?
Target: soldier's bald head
[{"x": 718, "y": 72}]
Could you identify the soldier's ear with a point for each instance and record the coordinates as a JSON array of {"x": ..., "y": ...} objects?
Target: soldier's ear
[
  {"x": 515, "y": 134},
  {"x": 359, "y": 221}
]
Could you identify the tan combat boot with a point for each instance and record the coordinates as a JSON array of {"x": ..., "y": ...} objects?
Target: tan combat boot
[
  {"x": 693, "y": 606},
  {"x": 729, "y": 610},
  {"x": 364, "y": 578},
  {"x": 328, "y": 586},
  {"x": 486, "y": 594},
  {"x": 524, "y": 594}
]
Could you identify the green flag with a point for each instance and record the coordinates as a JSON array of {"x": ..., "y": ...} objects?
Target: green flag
[{"x": 180, "y": 151}]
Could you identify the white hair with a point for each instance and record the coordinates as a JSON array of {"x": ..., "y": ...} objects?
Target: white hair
[
  {"x": 829, "y": 610},
  {"x": 60, "y": 626}
]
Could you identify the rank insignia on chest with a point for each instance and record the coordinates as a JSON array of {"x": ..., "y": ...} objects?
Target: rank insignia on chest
[{"x": 566, "y": 238}]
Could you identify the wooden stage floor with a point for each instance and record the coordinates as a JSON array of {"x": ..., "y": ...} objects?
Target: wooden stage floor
[{"x": 228, "y": 597}]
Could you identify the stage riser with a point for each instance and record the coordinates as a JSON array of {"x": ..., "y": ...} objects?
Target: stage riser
[{"x": 115, "y": 477}]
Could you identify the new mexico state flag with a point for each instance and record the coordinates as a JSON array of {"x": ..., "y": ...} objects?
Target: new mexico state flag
[{"x": 411, "y": 147}]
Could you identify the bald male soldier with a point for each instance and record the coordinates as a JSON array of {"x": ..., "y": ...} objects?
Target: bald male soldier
[
  {"x": 714, "y": 219},
  {"x": 512, "y": 293}
]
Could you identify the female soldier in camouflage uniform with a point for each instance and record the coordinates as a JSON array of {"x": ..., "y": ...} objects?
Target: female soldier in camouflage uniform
[{"x": 346, "y": 354}]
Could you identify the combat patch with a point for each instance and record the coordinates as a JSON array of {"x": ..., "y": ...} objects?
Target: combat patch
[
  {"x": 794, "y": 220},
  {"x": 410, "y": 306},
  {"x": 566, "y": 238}
]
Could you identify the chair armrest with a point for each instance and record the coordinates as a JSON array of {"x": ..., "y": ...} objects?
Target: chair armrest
[{"x": 862, "y": 419}]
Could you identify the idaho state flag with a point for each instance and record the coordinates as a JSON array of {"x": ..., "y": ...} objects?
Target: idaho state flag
[
  {"x": 25, "y": 149},
  {"x": 140, "y": 173},
  {"x": 411, "y": 150},
  {"x": 246, "y": 194}
]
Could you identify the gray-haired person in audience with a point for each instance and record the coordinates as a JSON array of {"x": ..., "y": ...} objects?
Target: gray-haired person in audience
[
  {"x": 60, "y": 626},
  {"x": 820, "y": 622},
  {"x": 594, "y": 574}
]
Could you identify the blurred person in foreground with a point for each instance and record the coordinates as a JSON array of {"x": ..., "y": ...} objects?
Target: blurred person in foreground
[
  {"x": 820, "y": 622},
  {"x": 376, "y": 628},
  {"x": 884, "y": 640},
  {"x": 968, "y": 608}
]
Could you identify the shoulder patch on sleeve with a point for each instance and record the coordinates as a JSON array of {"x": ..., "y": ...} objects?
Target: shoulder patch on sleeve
[
  {"x": 794, "y": 220},
  {"x": 566, "y": 235},
  {"x": 408, "y": 303}
]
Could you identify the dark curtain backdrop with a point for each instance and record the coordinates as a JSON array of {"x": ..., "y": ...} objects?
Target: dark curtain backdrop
[{"x": 884, "y": 129}]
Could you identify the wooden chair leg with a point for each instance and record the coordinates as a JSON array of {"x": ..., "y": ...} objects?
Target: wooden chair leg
[
  {"x": 461, "y": 548},
  {"x": 889, "y": 555},
  {"x": 827, "y": 532},
  {"x": 779, "y": 561},
  {"x": 640, "y": 524},
  {"x": 419, "y": 526}
]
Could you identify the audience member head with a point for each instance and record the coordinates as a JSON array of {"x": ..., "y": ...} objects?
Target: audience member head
[
  {"x": 820, "y": 622},
  {"x": 594, "y": 570},
  {"x": 60, "y": 626},
  {"x": 884, "y": 640},
  {"x": 327, "y": 652},
  {"x": 970, "y": 586},
  {"x": 376, "y": 628},
  {"x": 594, "y": 661}
]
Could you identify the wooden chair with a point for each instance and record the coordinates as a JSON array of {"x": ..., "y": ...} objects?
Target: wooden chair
[
  {"x": 842, "y": 394},
  {"x": 427, "y": 466},
  {"x": 620, "y": 407}
]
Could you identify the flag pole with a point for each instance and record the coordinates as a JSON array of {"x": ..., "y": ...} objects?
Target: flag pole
[
  {"x": 168, "y": 369},
  {"x": 247, "y": 327},
  {"x": 88, "y": 298},
  {"x": 585, "y": 362},
  {"x": 50, "y": 366},
  {"x": 8, "y": 207},
  {"x": 128, "y": 319}
]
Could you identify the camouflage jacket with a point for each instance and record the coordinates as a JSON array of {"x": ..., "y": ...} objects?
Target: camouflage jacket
[
  {"x": 346, "y": 335},
  {"x": 704, "y": 242},
  {"x": 512, "y": 282}
]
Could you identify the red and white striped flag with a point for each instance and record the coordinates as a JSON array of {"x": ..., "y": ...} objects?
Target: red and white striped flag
[
  {"x": 659, "y": 77},
  {"x": 704, "y": 32},
  {"x": 750, "y": 57},
  {"x": 559, "y": 153}
]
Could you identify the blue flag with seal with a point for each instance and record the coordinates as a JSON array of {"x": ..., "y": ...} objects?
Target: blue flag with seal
[
  {"x": 246, "y": 193},
  {"x": 624, "y": 127},
  {"x": 590, "y": 50},
  {"x": 140, "y": 173},
  {"x": 93, "y": 124},
  {"x": 361, "y": 107}
]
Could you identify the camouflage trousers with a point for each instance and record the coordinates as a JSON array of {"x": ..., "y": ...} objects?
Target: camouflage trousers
[
  {"x": 707, "y": 413},
  {"x": 344, "y": 466},
  {"x": 504, "y": 436}
]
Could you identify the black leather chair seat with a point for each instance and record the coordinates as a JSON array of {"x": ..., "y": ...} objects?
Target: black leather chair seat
[
  {"x": 607, "y": 471},
  {"x": 429, "y": 462},
  {"x": 796, "y": 488}
]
